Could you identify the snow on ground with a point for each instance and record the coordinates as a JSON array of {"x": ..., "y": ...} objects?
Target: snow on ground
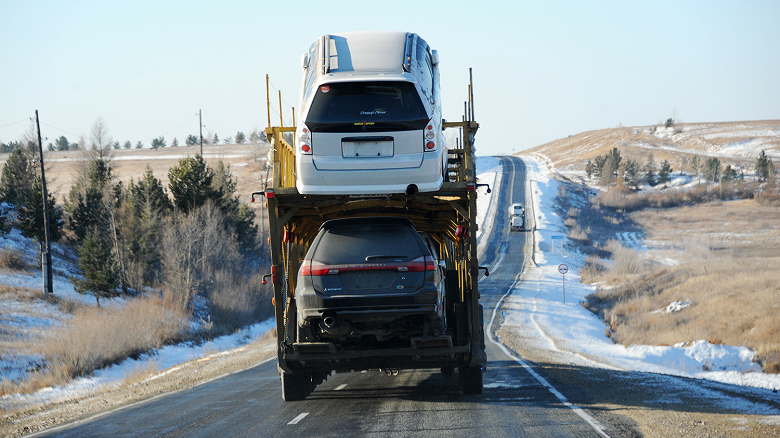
[
  {"x": 547, "y": 304},
  {"x": 488, "y": 169},
  {"x": 166, "y": 360},
  {"x": 20, "y": 318}
]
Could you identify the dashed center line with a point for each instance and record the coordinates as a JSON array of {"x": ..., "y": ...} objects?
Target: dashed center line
[
  {"x": 340, "y": 387},
  {"x": 297, "y": 419}
]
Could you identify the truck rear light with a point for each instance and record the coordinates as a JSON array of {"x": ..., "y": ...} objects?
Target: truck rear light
[{"x": 276, "y": 274}]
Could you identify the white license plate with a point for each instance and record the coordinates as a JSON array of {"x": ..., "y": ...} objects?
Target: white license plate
[{"x": 366, "y": 149}]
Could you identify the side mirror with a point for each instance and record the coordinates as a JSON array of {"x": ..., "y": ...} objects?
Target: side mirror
[
  {"x": 435, "y": 57},
  {"x": 305, "y": 61}
]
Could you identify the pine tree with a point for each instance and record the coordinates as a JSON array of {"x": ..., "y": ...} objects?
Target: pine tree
[
  {"x": 730, "y": 174},
  {"x": 190, "y": 184},
  {"x": 238, "y": 217},
  {"x": 631, "y": 173},
  {"x": 17, "y": 178},
  {"x": 30, "y": 216},
  {"x": 712, "y": 169},
  {"x": 96, "y": 265},
  {"x": 665, "y": 172},
  {"x": 649, "y": 171},
  {"x": 240, "y": 137},
  {"x": 765, "y": 169}
]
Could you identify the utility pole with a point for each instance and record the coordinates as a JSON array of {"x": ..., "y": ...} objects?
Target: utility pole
[
  {"x": 46, "y": 247},
  {"x": 200, "y": 123}
]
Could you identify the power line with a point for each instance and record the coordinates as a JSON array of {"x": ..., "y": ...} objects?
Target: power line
[
  {"x": 61, "y": 130},
  {"x": 272, "y": 86},
  {"x": 14, "y": 123}
]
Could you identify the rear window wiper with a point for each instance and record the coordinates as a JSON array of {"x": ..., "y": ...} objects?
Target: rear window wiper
[{"x": 379, "y": 257}]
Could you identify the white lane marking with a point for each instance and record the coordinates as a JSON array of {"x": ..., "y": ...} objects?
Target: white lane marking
[
  {"x": 340, "y": 387},
  {"x": 564, "y": 401},
  {"x": 297, "y": 419}
]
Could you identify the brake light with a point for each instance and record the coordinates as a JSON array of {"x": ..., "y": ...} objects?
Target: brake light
[
  {"x": 316, "y": 269},
  {"x": 305, "y": 141},
  {"x": 311, "y": 267},
  {"x": 429, "y": 137},
  {"x": 421, "y": 264}
]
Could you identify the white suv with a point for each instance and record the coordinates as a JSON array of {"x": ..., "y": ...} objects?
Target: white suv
[{"x": 370, "y": 118}]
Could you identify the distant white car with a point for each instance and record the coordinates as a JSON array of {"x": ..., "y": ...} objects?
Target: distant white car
[
  {"x": 516, "y": 217},
  {"x": 370, "y": 117},
  {"x": 517, "y": 223}
]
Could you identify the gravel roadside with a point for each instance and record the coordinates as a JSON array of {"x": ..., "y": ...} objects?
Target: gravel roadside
[{"x": 24, "y": 420}]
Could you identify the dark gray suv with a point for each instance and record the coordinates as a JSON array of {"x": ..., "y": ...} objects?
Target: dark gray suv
[{"x": 369, "y": 280}]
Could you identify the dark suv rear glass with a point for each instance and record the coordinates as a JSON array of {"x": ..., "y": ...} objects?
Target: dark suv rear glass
[
  {"x": 366, "y": 107},
  {"x": 357, "y": 243}
]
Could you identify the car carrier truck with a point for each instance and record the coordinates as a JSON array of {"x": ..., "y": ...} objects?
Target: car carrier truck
[{"x": 446, "y": 218}]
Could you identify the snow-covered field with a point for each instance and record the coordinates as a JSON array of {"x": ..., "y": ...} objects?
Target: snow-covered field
[{"x": 536, "y": 306}]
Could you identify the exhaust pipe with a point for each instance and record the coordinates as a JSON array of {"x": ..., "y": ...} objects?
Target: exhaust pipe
[
  {"x": 411, "y": 190},
  {"x": 330, "y": 324}
]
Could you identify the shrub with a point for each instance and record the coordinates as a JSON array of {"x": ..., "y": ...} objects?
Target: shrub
[
  {"x": 14, "y": 260},
  {"x": 98, "y": 337}
]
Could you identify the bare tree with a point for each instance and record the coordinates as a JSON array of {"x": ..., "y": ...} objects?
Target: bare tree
[
  {"x": 197, "y": 246},
  {"x": 99, "y": 140}
]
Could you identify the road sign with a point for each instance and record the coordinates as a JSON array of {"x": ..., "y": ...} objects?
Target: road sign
[
  {"x": 563, "y": 269},
  {"x": 556, "y": 237}
]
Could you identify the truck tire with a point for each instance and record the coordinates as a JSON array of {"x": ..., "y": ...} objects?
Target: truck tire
[
  {"x": 296, "y": 386},
  {"x": 471, "y": 380}
]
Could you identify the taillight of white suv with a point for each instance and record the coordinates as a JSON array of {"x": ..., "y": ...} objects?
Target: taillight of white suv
[
  {"x": 429, "y": 138},
  {"x": 304, "y": 141}
]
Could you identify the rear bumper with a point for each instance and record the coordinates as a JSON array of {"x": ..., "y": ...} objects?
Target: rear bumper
[{"x": 428, "y": 177}]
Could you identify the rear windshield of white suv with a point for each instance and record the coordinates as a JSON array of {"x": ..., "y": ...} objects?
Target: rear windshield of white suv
[{"x": 366, "y": 107}]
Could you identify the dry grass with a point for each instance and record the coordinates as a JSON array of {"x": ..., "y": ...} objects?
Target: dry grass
[
  {"x": 237, "y": 301},
  {"x": 13, "y": 260},
  {"x": 97, "y": 337},
  {"x": 727, "y": 265},
  {"x": 623, "y": 199}
]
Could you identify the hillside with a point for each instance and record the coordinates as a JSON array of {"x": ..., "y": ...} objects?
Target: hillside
[
  {"x": 735, "y": 143},
  {"x": 703, "y": 253}
]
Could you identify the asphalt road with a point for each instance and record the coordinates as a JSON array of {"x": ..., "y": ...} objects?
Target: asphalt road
[{"x": 516, "y": 401}]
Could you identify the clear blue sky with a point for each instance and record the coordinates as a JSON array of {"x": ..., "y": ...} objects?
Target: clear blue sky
[{"x": 542, "y": 70}]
